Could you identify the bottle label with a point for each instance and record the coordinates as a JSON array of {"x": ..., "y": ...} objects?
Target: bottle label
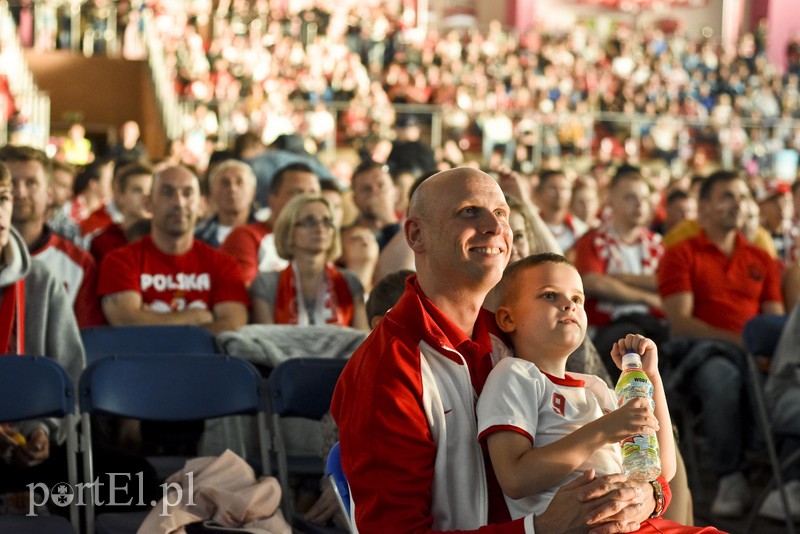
[
  {"x": 640, "y": 443},
  {"x": 634, "y": 384}
]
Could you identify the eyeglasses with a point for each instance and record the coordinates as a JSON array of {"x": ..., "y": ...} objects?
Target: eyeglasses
[{"x": 311, "y": 222}]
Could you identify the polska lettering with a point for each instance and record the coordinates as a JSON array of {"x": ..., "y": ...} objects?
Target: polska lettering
[{"x": 176, "y": 282}]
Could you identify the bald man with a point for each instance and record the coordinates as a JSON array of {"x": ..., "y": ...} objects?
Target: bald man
[
  {"x": 169, "y": 277},
  {"x": 405, "y": 402}
]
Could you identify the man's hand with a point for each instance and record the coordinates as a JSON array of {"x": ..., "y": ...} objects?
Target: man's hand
[
  {"x": 198, "y": 316},
  {"x": 607, "y": 505},
  {"x": 324, "y": 508},
  {"x": 652, "y": 300},
  {"x": 623, "y": 508},
  {"x": 35, "y": 451},
  {"x": 513, "y": 184}
]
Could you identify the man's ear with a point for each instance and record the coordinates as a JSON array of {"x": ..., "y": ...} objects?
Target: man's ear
[
  {"x": 504, "y": 320},
  {"x": 374, "y": 321},
  {"x": 413, "y": 233}
]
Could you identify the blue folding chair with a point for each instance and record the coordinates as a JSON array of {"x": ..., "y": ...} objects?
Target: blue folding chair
[
  {"x": 166, "y": 340},
  {"x": 333, "y": 468},
  {"x": 185, "y": 387},
  {"x": 101, "y": 341},
  {"x": 32, "y": 387},
  {"x": 300, "y": 387}
]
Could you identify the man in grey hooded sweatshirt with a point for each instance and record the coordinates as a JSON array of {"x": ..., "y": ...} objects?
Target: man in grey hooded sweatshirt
[{"x": 35, "y": 318}]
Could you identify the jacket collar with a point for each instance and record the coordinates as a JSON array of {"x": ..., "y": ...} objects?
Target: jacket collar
[{"x": 416, "y": 313}]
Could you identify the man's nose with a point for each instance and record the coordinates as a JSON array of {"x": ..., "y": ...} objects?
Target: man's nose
[{"x": 495, "y": 224}]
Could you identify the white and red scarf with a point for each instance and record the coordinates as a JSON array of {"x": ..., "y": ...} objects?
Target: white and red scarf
[
  {"x": 607, "y": 244},
  {"x": 332, "y": 305}
]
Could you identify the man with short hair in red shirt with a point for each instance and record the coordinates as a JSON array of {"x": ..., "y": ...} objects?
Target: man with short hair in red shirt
[
  {"x": 711, "y": 285},
  {"x": 131, "y": 187},
  {"x": 169, "y": 277}
]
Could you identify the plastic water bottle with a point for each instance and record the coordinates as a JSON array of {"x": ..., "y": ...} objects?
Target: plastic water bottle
[{"x": 640, "y": 457}]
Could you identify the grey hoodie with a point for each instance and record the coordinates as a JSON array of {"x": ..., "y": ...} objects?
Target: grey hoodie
[{"x": 50, "y": 326}]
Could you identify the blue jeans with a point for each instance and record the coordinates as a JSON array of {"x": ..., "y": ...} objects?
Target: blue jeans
[
  {"x": 761, "y": 333},
  {"x": 719, "y": 385}
]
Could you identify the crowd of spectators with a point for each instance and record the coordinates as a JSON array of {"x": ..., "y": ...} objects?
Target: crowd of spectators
[
  {"x": 276, "y": 70},
  {"x": 334, "y": 74}
]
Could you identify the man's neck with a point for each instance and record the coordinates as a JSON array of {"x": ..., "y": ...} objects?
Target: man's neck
[
  {"x": 724, "y": 239},
  {"x": 173, "y": 246},
  {"x": 372, "y": 223},
  {"x": 31, "y": 231},
  {"x": 92, "y": 201},
  {"x": 554, "y": 218},
  {"x": 232, "y": 218},
  {"x": 461, "y": 307},
  {"x": 626, "y": 232}
]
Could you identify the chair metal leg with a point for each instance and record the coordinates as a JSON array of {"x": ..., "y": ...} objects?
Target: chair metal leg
[{"x": 766, "y": 429}]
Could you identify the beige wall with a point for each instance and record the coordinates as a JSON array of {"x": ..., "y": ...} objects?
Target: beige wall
[{"x": 105, "y": 91}]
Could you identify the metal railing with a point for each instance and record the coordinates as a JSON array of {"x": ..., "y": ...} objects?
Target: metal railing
[
  {"x": 626, "y": 129},
  {"x": 173, "y": 110},
  {"x": 33, "y": 126}
]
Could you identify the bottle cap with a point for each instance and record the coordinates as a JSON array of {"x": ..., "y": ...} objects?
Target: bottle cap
[{"x": 631, "y": 359}]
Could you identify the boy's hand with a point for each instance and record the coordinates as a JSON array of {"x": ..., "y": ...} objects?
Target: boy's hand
[
  {"x": 641, "y": 345},
  {"x": 634, "y": 417}
]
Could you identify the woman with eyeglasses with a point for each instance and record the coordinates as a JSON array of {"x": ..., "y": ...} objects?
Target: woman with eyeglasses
[{"x": 311, "y": 290}]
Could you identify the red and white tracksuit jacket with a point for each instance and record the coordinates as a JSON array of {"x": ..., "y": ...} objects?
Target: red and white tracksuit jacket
[{"x": 405, "y": 405}]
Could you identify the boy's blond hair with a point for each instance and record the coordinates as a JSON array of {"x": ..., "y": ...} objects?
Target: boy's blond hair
[{"x": 508, "y": 290}]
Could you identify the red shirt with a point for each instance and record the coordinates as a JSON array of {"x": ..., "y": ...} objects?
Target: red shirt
[
  {"x": 105, "y": 240},
  {"x": 728, "y": 291},
  {"x": 243, "y": 244},
  {"x": 97, "y": 220},
  {"x": 200, "y": 278}
]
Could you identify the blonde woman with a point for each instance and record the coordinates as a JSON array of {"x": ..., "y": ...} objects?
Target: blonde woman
[{"x": 311, "y": 290}]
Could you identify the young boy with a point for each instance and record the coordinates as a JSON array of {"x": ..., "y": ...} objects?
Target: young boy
[{"x": 542, "y": 426}]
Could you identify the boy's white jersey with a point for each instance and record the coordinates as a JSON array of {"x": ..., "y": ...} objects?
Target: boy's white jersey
[{"x": 519, "y": 397}]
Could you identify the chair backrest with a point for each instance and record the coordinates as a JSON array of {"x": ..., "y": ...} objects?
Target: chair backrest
[
  {"x": 303, "y": 387},
  {"x": 180, "y": 387},
  {"x": 333, "y": 468},
  {"x": 101, "y": 341},
  {"x": 32, "y": 387},
  {"x": 175, "y": 387}
]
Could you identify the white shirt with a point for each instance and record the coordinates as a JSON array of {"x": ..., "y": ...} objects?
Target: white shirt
[{"x": 519, "y": 397}]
